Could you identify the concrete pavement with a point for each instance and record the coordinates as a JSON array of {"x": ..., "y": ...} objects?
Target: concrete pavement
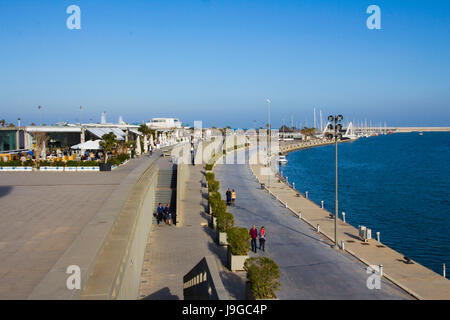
[
  {"x": 41, "y": 213},
  {"x": 172, "y": 252},
  {"x": 310, "y": 268}
]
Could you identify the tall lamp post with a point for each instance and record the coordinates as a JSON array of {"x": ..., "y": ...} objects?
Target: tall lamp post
[
  {"x": 81, "y": 108},
  {"x": 268, "y": 141},
  {"x": 337, "y": 135},
  {"x": 40, "y": 111}
]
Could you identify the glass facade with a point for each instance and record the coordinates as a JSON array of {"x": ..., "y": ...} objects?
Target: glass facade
[{"x": 7, "y": 140}]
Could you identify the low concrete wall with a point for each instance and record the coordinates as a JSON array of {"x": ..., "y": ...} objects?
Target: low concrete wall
[
  {"x": 203, "y": 282},
  {"x": 182, "y": 178},
  {"x": 118, "y": 269},
  {"x": 110, "y": 248}
]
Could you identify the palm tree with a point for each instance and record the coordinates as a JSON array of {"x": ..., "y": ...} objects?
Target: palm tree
[
  {"x": 40, "y": 139},
  {"x": 108, "y": 143}
]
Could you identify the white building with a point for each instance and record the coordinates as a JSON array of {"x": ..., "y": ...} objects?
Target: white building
[{"x": 164, "y": 123}]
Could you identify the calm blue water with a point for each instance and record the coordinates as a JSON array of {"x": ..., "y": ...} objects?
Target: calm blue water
[{"x": 397, "y": 184}]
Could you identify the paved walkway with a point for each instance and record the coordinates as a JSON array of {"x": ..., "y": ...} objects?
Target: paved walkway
[
  {"x": 421, "y": 282},
  {"x": 310, "y": 268},
  {"x": 41, "y": 213},
  {"x": 173, "y": 251}
]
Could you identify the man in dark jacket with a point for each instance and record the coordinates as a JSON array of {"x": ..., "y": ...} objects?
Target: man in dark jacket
[
  {"x": 228, "y": 196},
  {"x": 159, "y": 213},
  {"x": 253, "y": 235}
]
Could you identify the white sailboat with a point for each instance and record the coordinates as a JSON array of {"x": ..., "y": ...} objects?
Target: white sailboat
[{"x": 350, "y": 133}]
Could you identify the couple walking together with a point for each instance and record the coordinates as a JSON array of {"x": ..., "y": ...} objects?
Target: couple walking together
[
  {"x": 254, "y": 234},
  {"x": 231, "y": 197}
]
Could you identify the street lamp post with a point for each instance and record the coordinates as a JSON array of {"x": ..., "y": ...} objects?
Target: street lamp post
[
  {"x": 40, "y": 111},
  {"x": 337, "y": 128},
  {"x": 81, "y": 108},
  {"x": 268, "y": 142}
]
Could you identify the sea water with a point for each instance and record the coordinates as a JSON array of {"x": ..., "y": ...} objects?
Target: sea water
[{"x": 396, "y": 184}]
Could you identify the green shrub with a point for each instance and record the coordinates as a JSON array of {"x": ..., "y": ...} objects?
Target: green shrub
[
  {"x": 28, "y": 163},
  {"x": 262, "y": 274},
  {"x": 214, "y": 197},
  {"x": 225, "y": 221},
  {"x": 218, "y": 208},
  {"x": 89, "y": 164},
  {"x": 238, "y": 241},
  {"x": 122, "y": 157},
  {"x": 57, "y": 164},
  {"x": 44, "y": 163},
  {"x": 11, "y": 163},
  {"x": 213, "y": 186},
  {"x": 73, "y": 163},
  {"x": 210, "y": 176}
]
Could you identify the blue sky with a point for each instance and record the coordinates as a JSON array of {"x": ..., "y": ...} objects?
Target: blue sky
[{"x": 218, "y": 61}]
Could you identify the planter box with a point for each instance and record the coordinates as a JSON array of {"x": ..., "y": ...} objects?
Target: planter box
[
  {"x": 221, "y": 238},
  {"x": 71, "y": 169},
  {"x": 86, "y": 169},
  {"x": 51, "y": 168},
  {"x": 24, "y": 169},
  {"x": 236, "y": 263},
  {"x": 16, "y": 169},
  {"x": 213, "y": 222},
  {"x": 105, "y": 167}
]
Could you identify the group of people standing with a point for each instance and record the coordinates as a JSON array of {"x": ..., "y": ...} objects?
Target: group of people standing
[
  {"x": 261, "y": 235},
  {"x": 165, "y": 213},
  {"x": 231, "y": 197}
]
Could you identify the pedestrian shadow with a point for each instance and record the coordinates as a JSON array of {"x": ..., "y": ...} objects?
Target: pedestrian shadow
[
  {"x": 5, "y": 190},
  {"x": 162, "y": 294}
]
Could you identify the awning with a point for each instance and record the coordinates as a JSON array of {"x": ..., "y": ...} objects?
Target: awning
[
  {"x": 135, "y": 131},
  {"x": 99, "y": 132},
  {"x": 88, "y": 145}
]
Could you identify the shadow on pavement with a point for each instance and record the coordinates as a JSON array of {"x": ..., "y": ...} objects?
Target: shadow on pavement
[
  {"x": 5, "y": 190},
  {"x": 163, "y": 294}
]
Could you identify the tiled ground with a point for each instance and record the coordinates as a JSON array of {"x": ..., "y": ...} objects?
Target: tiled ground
[{"x": 40, "y": 216}]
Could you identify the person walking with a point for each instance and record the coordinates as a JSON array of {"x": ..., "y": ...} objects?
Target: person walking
[
  {"x": 168, "y": 214},
  {"x": 159, "y": 213},
  {"x": 228, "y": 194},
  {"x": 192, "y": 153},
  {"x": 233, "y": 198},
  {"x": 253, "y": 235},
  {"x": 262, "y": 238}
]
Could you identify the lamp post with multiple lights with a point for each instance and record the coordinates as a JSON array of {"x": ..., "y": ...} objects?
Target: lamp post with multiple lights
[
  {"x": 268, "y": 142},
  {"x": 337, "y": 135}
]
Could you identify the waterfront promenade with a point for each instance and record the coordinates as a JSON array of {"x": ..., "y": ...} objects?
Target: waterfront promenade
[
  {"x": 309, "y": 268},
  {"x": 417, "y": 280},
  {"x": 42, "y": 213},
  {"x": 171, "y": 252}
]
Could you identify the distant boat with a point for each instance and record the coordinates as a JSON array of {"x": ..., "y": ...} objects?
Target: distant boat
[{"x": 282, "y": 159}]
